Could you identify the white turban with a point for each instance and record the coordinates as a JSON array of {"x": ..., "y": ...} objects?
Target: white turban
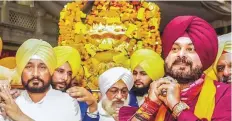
[{"x": 111, "y": 76}]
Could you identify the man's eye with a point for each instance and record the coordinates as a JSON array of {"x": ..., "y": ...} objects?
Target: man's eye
[
  {"x": 175, "y": 49},
  {"x": 113, "y": 91},
  {"x": 125, "y": 91},
  {"x": 143, "y": 74},
  {"x": 190, "y": 50},
  {"x": 220, "y": 69},
  {"x": 134, "y": 73},
  {"x": 60, "y": 71},
  {"x": 43, "y": 67},
  {"x": 69, "y": 74},
  {"x": 28, "y": 67}
]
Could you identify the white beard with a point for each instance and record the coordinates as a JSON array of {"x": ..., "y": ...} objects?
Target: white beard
[{"x": 112, "y": 107}]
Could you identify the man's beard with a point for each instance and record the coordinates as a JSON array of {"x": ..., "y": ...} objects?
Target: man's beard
[
  {"x": 111, "y": 106},
  {"x": 225, "y": 79},
  {"x": 32, "y": 89},
  {"x": 184, "y": 77},
  {"x": 67, "y": 86},
  {"x": 140, "y": 91}
]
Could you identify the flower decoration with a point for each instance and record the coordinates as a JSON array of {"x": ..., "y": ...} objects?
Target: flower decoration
[{"x": 109, "y": 34}]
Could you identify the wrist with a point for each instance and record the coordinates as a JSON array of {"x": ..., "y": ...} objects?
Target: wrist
[
  {"x": 92, "y": 107},
  {"x": 147, "y": 110},
  {"x": 178, "y": 108}
]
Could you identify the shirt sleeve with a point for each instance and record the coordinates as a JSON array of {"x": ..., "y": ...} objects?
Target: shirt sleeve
[{"x": 91, "y": 116}]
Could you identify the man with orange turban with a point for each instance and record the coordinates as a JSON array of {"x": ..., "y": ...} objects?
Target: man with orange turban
[{"x": 189, "y": 46}]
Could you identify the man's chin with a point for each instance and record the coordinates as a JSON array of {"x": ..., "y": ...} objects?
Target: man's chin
[{"x": 63, "y": 89}]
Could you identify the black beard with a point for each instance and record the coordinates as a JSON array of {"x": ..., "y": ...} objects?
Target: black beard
[
  {"x": 140, "y": 91},
  {"x": 36, "y": 90},
  {"x": 184, "y": 78}
]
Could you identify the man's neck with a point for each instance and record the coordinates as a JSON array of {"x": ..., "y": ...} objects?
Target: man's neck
[
  {"x": 36, "y": 97},
  {"x": 184, "y": 86}
]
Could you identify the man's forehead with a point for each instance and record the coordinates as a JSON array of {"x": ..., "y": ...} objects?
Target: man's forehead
[
  {"x": 119, "y": 84},
  {"x": 183, "y": 40},
  {"x": 138, "y": 68},
  {"x": 66, "y": 66},
  {"x": 32, "y": 61}
]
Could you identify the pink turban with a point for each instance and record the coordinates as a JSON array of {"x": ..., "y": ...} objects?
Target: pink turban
[{"x": 201, "y": 33}]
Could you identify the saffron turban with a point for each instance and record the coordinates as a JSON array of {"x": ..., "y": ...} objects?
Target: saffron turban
[
  {"x": 37, "y": 49},
  {"x": 201, "y": 33},
  {"x": 70, "y": 55},
  {"x": 111, "y": 76},
  {"x": 150, "y": 61}
]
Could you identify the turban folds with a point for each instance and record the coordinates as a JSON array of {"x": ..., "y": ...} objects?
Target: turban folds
[
  {"x": 35, "y": 47},
  {"x": 201, "y": 33},
  {"x": 111, "y": 76},
  {"x": 150, "y": 61},
  {"x": 70, "y": 55}
]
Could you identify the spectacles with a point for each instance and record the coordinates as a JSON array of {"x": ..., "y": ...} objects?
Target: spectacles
[{"x": 114, "y": 91}]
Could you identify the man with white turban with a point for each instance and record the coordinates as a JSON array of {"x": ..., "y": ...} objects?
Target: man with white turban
[
  {"x": 114, "y": 84},
  {"x": 36, "y": 62}
]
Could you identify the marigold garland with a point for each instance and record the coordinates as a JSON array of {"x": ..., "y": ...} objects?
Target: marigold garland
[{"x": 109, "y": 34}]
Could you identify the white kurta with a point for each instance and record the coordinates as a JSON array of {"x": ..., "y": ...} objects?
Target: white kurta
[{"x": 55, "y": 106}]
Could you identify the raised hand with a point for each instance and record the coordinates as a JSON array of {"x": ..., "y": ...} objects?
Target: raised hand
[
  {"x": 172, "y": 88},
  {"x": 9, "y": 106},
  {"x": 83, "y": 95}
]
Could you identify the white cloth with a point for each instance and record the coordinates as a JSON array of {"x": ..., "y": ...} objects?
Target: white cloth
[
  {"x": 55, "y": 106},
  {"x": 111, "y": 76},
  {"x": 141, "y": 99}
]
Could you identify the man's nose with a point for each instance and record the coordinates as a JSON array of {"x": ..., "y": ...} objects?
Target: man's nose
[
  {"x": 182, "y": 53},
  {"x": 35, "y": 72},
  {"x": 119, "y": 95},
  {"x": 227, "y": 71}
]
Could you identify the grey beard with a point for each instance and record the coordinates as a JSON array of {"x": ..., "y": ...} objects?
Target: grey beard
[{"x": 225, "y": 79}]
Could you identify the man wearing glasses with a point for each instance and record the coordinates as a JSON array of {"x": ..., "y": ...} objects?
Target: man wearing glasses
[{"x": 114, "y": 84}]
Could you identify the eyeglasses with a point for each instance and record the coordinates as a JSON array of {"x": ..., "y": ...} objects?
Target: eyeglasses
[{"x": 114, "y": 91}]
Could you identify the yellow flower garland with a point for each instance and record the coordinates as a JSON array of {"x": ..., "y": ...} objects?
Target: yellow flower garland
[{"x": 109, "y": 34}]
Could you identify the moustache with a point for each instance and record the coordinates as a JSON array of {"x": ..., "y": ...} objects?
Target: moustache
[
  {"x": 137, "y": 81},
  {"x": 35, "y": 78},
  {"x": 183, "y": 60},
  {"x": 63, "y": 83}
]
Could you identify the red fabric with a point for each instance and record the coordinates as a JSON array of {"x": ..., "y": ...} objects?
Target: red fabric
[
  {"x": 188, "y": 94},
  {"x": 199, "y": 31},
  {"x": 222, "y": 110}
]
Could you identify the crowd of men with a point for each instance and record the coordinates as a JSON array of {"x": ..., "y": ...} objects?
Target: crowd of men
[{"x": 189, "y": 81}]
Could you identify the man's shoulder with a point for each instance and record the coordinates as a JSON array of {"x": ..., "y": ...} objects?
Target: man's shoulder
[{"x": 60, "y": 95}]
